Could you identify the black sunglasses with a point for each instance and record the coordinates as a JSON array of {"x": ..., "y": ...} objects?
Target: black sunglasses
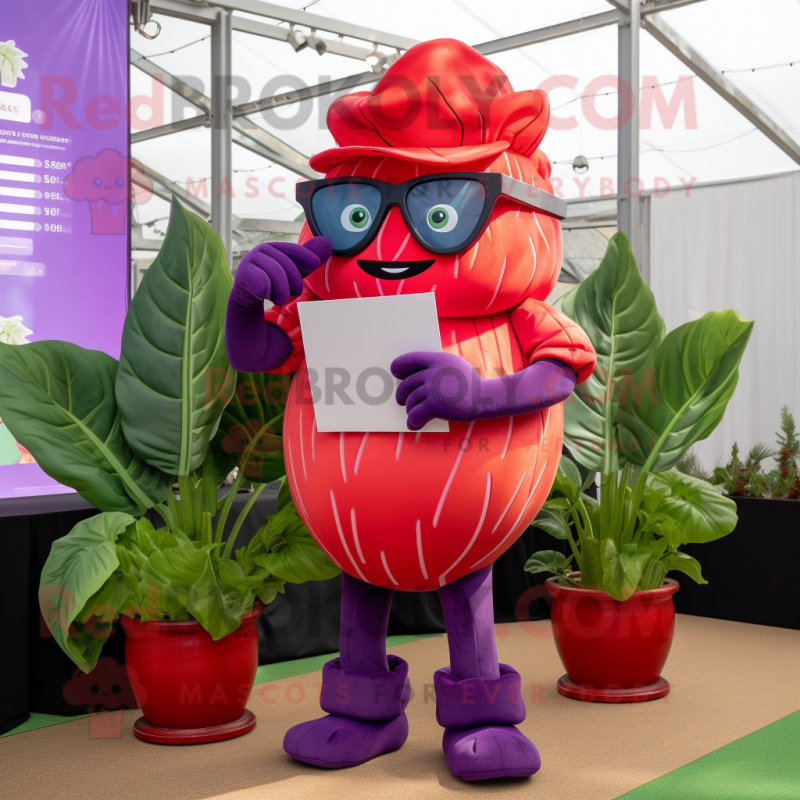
[{"x": 445, "y": 214}]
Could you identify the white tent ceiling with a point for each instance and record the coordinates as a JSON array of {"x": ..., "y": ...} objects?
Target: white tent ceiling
[{"x": 731, "y": 34}]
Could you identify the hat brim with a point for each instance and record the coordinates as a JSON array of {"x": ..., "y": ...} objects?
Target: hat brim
[{"x": 438, "y": 156}]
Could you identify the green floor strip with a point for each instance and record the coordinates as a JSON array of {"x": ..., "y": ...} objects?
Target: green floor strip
[
  {"x": 36, "y": 721},
  {"x": 765, "y": 765},
  {"x": 266, "y": 674}
]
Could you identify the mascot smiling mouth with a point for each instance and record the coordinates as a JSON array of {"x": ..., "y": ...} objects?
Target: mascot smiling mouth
[{"x": 394, "y": 270}]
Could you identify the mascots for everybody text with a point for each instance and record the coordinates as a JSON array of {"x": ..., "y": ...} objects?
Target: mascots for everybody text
[{"x": 437, "y": 185}]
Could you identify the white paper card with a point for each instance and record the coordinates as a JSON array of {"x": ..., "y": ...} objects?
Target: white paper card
[{"x": 350, "y": 346}]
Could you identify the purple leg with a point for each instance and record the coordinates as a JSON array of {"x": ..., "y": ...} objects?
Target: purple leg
[
  {"x": 365, "y": 618},
  {"x": 364, "y": 691},
  {"x": 469, "y": 616},
  {"x": 479, "y": 700}
]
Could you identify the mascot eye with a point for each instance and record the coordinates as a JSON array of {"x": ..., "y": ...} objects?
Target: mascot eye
[
  {"x": 119, "y": 183},
  {"x": 355, "y": 218},
  {"x": 442, "y": 218},
  {"x": 97, "y": 182}
]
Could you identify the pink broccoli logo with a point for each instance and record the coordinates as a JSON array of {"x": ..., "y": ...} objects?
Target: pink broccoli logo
[{"x": 104, "y": 181}]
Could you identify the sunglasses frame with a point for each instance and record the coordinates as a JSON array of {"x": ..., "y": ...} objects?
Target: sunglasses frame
[{"x": 495, "y": 185}]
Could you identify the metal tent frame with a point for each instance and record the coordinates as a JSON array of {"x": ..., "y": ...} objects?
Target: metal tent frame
[{"x": 231, "y": 124}]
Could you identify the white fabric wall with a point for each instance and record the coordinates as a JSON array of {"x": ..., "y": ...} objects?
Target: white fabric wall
[{"x": 737, "y": 246}]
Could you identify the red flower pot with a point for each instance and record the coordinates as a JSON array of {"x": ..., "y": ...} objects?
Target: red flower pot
[
  {"x": 613, "y": 651},
  {"x": 190, "y": 688}
]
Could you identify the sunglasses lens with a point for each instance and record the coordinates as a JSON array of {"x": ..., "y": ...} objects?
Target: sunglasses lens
[
  {"x": 445, "y": 212},
  {"x": 345, "y": 213}
]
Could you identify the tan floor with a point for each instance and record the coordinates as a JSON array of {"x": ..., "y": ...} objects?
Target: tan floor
[{"x": 728, "y": 680}]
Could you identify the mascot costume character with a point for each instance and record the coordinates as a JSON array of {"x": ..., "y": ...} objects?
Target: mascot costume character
[{"x": 437, "y": 185}]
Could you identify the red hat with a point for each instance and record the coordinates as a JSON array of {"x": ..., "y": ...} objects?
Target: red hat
[{"x": 441, "y": 103}]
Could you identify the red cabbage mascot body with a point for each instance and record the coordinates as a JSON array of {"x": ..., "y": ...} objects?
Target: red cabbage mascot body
[{"x": 437, "y": 185}]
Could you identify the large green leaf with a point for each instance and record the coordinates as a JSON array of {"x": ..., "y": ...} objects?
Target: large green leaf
[
  {"x": 697, "y": 368},
  {"x": 618, "y": 312},
  {"x": 702, "y": 513},
  {"x": 173, "y": 349},
  {"x": 656, "y": 568},
  {"x": 295, "y": 557},
  {"x": 57, "y": 399},
  {"x": 551, "y": 520},
  {"x": 549, "y": 561},
  {"x": 219, "y": 612},
  {"x": 257, "y": 400},
  {"x": 94, "y": 623},
  {"x": 686, "y": 564},
  {"x": 186, "y": 574},
  {"x": 79, "y": 567},
  {"x": 622, "y": 571}
]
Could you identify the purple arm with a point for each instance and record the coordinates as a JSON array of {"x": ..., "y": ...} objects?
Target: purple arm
[
  {"x": 446, "y": 386},
  {"x": 273, "y": 272}
]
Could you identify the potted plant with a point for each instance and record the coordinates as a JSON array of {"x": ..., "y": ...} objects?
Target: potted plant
[
  {"x": 141, "y": 439},
  {"x": 784, "y": 482},
  {"x": 748, "y": 479},
  {"x": 767, "y": 512},
  {"x": 743, "y": 478},
  {"x": 651, "y": 397}
]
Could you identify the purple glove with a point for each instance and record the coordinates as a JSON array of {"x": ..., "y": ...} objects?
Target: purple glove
[
  {"x": 446, "y": 386},
  {"x": 272, "y": 271}
]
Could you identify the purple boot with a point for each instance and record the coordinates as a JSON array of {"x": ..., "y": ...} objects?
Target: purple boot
[
  {"x": 478, "y": 700},
  {"x": 364, "y": 691}
]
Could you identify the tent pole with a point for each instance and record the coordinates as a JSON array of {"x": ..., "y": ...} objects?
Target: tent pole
[
  {"x": 221, "y": 130},
  {"x": 628, "y": 183}
]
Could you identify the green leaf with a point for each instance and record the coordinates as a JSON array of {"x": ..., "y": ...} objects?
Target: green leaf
[
  {"x": 95, "y": 621},
  {"x": 551, "y": 520},
  {"x": 295, "y": 557},
  {"x": 657, "y": 547},
  {"x": 697, "y": 368},
  {"x": 633, "y": 564},
  {"x": 146, "y": 538},
  {"x": 230, "y": 573},
  {"x": 576, "y": 473},
  {"x": 186, "y": 576},
  {"x": 614, "y": 579},
  {"x": 548, "y": 561},
  {"x": 622, "y": 572},
  {"x": 173, "y": 349},
  {"x": 593, "y": 512},
  {"x": 686, "y": 564},
  {"x": 654, "y": 573},
  {"x": 219, "y": 612},
  {"x": 570, "y": 471},
  {"x": 232, "y": 576},
  {"x": 267, "y": 595},
  {"x": 78, "y": 567},
  {"x": 180, "y": 566},
  {"x": 257, "y": 400},
  {"x": 57, "y": 399},
  {"x": 618, "y": 312},
  {"x": 702, "y": 513}
]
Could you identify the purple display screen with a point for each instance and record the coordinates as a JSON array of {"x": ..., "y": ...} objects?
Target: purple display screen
[{"x": 64, "y": 165}]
